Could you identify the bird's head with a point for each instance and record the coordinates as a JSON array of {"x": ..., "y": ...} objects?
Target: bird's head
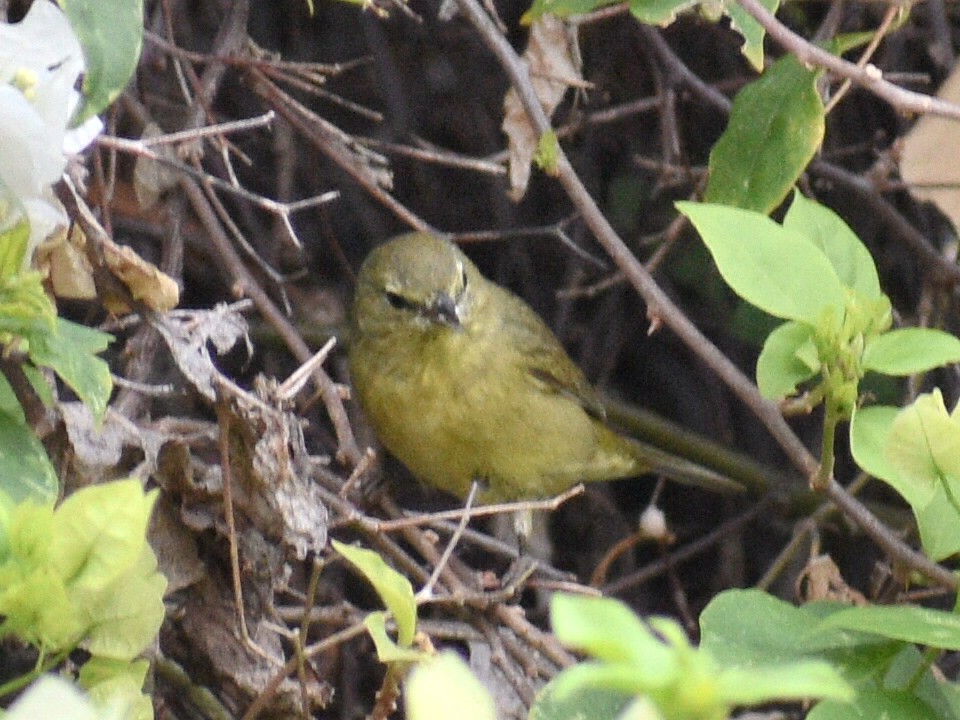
[{"x": 416, "y": 281}]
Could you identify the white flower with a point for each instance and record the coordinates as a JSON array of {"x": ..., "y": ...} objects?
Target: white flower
[{"x": 40, "y": 63}]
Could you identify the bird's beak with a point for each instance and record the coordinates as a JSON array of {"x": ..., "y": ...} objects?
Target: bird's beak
[{"x": 443, "y": 310}]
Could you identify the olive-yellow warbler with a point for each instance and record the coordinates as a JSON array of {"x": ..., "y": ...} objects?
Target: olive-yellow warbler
[{"x": 463, "y": 381}]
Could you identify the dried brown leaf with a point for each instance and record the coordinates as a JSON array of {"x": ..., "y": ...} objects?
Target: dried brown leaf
[
  {"x": 928, "y": 162},
  {"x": 551, "y": 55}
]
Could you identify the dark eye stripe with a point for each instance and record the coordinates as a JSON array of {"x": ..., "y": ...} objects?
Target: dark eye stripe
[{"x": 398, "y": 302}]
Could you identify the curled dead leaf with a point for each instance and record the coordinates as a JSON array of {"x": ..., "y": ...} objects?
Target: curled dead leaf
[{"x": 553, "y": 59}]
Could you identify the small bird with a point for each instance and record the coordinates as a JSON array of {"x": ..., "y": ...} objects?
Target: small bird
[{"x": 462, "y": 381}]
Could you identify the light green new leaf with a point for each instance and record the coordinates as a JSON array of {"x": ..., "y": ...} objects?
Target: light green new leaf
[
  {"x": 111, "y": 34},
  {"x": 788, "y": 358},
  {"x": 13, "y": 246},
  {"x": 387, "y": 650},
  {"x": 776, "y": 125},
  {"x": 99, "y": 532},
  {"x": 608, "y": 630},
  {"x": 767, "y": 265},
  {"x": 118, "y": 684},
  {"x": 609, "y": 677},
  {"x": 751, "y": 685},
  {"x": 910, "y": 350},
  {"x": 849, "y": 256},
  {"x": 752, "y": 31},
  {"x": 392, "y": 587},
  {"x": 869, "y": 434},
  {"x": 924, "y": 443},
  {"x": 124, "y": 617},
  {"x": 939, "y": 524},
  {"x": 910, "y": 449},
  {"x": 444, "y": 688}
]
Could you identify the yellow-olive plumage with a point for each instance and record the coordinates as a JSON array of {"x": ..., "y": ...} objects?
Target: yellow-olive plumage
[{"x": 463, "y": 381}]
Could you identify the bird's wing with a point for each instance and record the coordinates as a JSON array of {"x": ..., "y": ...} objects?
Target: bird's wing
[{"x": 544, "y": 357}]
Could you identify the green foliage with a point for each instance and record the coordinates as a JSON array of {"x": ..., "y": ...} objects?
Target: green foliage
[
  {"x": 393, "y": 588},
  {"x": 29, "y": 323},
  {"x": 814, "y": 272},
  {"x": 775, "y": 127},
  {"x": 83, "y": 575},
  {"x": 111, "y": 34},
  {"x": 25, "y": 469},
  {"x": 655, "y": 662},
  {"x": 664, "y": 12},
  {"x": 752, "y": 31},
  {"x": 872, "y": 647},
  {"x": 443, "y": 687},
  {"x": 916, "y": 451},
  {"x": 547, "y": 152}
]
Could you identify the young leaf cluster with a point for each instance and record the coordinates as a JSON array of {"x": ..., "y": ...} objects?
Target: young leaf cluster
[
  {"x": 83, "y": 576},
  {"x": 651, "y": 666},
  {"x": 813, "y": 272}
]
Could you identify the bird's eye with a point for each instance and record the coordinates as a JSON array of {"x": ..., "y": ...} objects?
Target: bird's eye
[
  {"x": 463, "y": 277},
  {"x": 398, "y": 302}
]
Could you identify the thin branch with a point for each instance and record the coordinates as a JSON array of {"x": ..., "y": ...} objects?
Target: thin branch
[
  {"x": 662, "y": 308},
  {"x": 869, "y": 76}
]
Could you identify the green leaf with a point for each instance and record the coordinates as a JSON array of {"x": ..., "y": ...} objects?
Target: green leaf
[
  {"x": 924, "y": 442},
  {"x": 545, "y": 156},
  {"x": 911, "y": 450},
  {"x": 939, "y": 525},
  {"x": 70, "y": 350},
  {"x": 387, "y": 650},
  {"x": 910, "y": 623},
  {"x": 25, "y": 469},
  {"x": 13, "y": 247},
  {"x": 118, "y": 684},
  {"x": 444, "y": 688},
  {"x": 750, "y": 628},
  {"x": 869, "y": 436},
  {"x": 111, "y": 34},
  {"x": 790, "y": 681},
  {"x": 776, "y": 125},
  {"x": 885, "y": 704},
  {"x": 592, "y": 703},
  {"x": 849, "y": 256},
  {"x": 659, "y": 12},
  {"x": 607, "y": 677},
  {"x": 124, "y": 617},
  {"x": 767, "y": 265},
  {"x": 561, "y": 8},
  {"x": 608, "y": 630},
  {"x": 910, "y": 350},
  {"x": 99, "y": 532},
  {"x": 788, "y": 358},
  {"x": 392, "y": 587},
  {"x": 750, "y": 29},
  {"x": 25, "y": 309}
]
